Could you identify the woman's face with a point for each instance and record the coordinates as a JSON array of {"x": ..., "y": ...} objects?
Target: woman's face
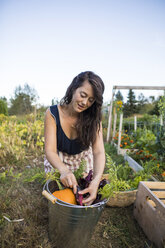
[{"x": 83, "y": 97}]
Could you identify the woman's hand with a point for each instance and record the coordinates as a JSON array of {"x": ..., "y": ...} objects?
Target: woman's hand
[
  {"x": 68, "y": 179},
  {"x": 92, "y": 190}
]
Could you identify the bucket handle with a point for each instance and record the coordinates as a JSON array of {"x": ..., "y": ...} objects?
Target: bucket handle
[{"x": 49, "y": 196}]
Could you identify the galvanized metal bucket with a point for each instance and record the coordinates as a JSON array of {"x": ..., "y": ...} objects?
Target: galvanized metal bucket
[{"x": 70, "y": 225}]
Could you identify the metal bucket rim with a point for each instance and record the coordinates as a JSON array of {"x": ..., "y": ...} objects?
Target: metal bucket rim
[{"x": 62, "y": 203}]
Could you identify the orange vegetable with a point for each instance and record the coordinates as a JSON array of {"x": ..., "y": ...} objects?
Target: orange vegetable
[
  {"x": 66, "y": 195},
  {"x": 163, "y": 174}
]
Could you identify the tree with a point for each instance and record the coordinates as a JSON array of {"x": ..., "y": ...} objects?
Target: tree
[
  {"x": 130, "y": 106},
  {"x": 3, "y": 107},
  {"x": 155, "y": 109},
  {"x": 118, "y": 96},
  {"x": 55, "y": 101},
  {"x": 142, "y": 101},
  {"x": 24, "y": 98},
  {"x": 151, "y": 99},
  {"x": 3, "y": 98},
  {"x": 161, "y": 106}
]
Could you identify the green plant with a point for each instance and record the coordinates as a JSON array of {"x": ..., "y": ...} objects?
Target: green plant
[
  {"x": 3, "y": 107},
  {"x": 151, "y": 162},
  {"x": 111, "y": 150},
  {"x": 144, "y": 138},
  {"x": 9, "y": 174},
  {"x": 80, "y": 171},
  {"x": 121, "y": 178},
  {"x": 37, "y": 174},
  {"x": 161, "y": 106},
  {"x": 18, "y": 139}
]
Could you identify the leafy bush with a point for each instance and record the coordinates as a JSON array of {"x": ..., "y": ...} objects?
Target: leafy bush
[
  {"x": 121, "y": 178},
  {"x": 112, "y": 152},
  {"x": 144, "y": 138},
  {"x": 3, "y": 107},
  {"x": 17, "y": 139}
]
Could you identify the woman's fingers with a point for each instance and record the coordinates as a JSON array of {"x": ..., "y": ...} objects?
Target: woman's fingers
[
  {"x": 92, "y": 191},
  {"x": 69, "y": 180},
  {"x": 84, "y": 191},
  {"x": 88, "y": 200},
  {"x": 75, "y": 188}
]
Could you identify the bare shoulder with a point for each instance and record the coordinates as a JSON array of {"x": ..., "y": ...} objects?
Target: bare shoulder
[
  {"x": 48, "y": 116},
  {"x": 47, "y": 112}
]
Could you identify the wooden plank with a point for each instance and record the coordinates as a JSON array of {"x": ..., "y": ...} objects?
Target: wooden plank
[
  {"x": 120, "y": 130},
  {"x": 139, "y": 87},
  {"x": 114, "y": 124},
  {"x": 110, "y": 117},
  {"x": 159, "y": 194},
  {"x": 154, "y": 185},
  {"x": 135, "y": 123},
  {"x": 149, "y": 216}
]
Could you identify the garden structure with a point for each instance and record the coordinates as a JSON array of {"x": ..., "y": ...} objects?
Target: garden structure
[
  {"x": 115, "y": 87},
  {"x": 138, "y": 134},
  {"x": 150, "y": 203}
]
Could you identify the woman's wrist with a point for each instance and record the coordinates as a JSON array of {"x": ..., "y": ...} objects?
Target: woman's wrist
[
  {"x": 97, "y": 177},
  {"x": 96, "y": 181},
  {"x": 63, "y": 169}
]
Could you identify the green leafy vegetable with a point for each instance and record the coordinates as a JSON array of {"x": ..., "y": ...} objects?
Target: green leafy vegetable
[
  {"x": 79, "y": 172},
  {"x": 121, "y": 178}
]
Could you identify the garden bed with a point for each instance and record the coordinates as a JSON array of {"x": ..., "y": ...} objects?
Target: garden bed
[
  {"x": 123, "y": 177},
  {"x": 132, "y": 163},
  {"x": 146, "y": 148},
  {"x": 135, "y": 166}
]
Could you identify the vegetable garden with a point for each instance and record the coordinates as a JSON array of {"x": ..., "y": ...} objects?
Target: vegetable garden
[{"x": 24, "y": 217}]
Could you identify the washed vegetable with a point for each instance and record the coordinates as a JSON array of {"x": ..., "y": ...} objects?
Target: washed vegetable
[{"x": 66, "y": 195}]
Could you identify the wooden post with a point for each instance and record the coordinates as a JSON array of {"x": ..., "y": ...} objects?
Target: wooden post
[
  {"x": 135, "y": 123},
  {"x": 110, "y": 117},
  {"x": 120, "y": 130},
  {"x": 114, "y": 124}
]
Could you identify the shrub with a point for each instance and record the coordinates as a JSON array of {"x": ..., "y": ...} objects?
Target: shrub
[{"x": 3, "y": 107}]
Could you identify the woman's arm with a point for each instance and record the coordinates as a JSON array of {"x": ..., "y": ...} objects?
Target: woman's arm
[
  {"x": 98, "y": 168},
  {"x": 67, "y": 177}
]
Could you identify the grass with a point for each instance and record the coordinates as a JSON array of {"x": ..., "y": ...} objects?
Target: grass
[{"x": 118, "y": 228}]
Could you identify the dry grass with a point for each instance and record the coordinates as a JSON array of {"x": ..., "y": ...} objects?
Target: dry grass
[{"x": 24, "y": 201}]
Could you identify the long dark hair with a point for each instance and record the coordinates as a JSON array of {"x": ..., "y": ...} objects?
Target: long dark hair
[{"x": 89, "y": 120}]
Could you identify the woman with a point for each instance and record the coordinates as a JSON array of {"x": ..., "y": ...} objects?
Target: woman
[{"x": 73, "y": 132}]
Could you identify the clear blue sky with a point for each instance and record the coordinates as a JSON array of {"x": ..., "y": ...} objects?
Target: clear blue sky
[{"x": 47, "y": 43}]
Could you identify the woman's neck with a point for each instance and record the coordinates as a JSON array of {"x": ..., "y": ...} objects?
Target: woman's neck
[{"x": 69, "y": 111}]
